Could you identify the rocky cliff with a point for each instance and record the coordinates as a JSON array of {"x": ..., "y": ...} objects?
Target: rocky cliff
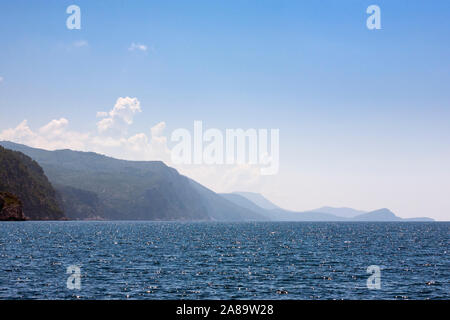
[
  {"x": 10, "y": 208},
  {"x": 23, "y": 177}
]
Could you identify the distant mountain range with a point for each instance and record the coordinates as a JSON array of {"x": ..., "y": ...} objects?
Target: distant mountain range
[
  {"x": 89, "y": 186},
  {"x": 259, "y": 200},
  {"x": 275, "y": 213},
  {"x": 340, "y": 212}
]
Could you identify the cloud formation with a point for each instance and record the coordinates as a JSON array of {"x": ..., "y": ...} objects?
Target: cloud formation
[
  {"x": 120, "y": 117},
  {"x": 137, "y": 46},
  {"x": 53, "y": 135},
  {"x": 111, "y": 139}
]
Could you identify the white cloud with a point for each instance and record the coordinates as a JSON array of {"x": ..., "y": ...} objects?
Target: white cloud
[
  {"x": 141, "y": 146},
  {"x": 158, "y": 129},
  {"x": 1, "y": 79},
  {"x": 137, "y": 46},
  {"x": 20, "y": 133},
  {"x": 53, "y": 135},
  {"x": 54, "y": 127},
  {"x": 57, "y": 135},
  {"x": 120, "y": 117}
]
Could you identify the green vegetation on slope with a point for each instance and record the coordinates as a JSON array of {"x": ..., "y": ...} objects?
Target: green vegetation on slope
[
  {"x": 93, "y": 186},
  {"x": 23, "y": 177}
]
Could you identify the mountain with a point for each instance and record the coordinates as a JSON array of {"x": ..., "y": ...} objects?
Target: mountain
[
  {"x": 90, "y": 186},
  {"x": 385, "y": 215},
  {"x": 377, "y": 215},
  {"x": 340, "y": 212},
  {"x": 80, "y": 204},
  {"x": 244, "y": 199},
  {"x": 286, "y": 215},
  {"x": 93, "y": 186},
  {"x": 221, "y": 208},
  {"x": 24, "y": 180},
  {"x": 321, "y": 214},
  {"x": 421, "y": 219},
  {"x": 258, "y": 199}
]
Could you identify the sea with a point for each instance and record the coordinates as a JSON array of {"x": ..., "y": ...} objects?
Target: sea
[{"x": 215, "y": 260}]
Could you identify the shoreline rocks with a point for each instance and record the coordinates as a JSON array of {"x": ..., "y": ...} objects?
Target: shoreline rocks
[{"x": 11, "y": 208}]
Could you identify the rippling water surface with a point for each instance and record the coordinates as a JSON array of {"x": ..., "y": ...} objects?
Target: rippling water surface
[{"x": 165, "y": 260}]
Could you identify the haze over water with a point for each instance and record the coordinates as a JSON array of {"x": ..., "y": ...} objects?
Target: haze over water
[{"x": 208, "y": 260}]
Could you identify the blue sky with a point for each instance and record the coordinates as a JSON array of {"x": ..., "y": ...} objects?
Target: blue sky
[{"x": 363, "y": 115}]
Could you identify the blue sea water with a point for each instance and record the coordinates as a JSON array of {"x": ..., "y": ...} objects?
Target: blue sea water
[{"x": 269, "y": 260}]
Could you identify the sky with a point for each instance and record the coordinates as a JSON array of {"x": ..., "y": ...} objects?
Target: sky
[{"x": 363, "y": 115}]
